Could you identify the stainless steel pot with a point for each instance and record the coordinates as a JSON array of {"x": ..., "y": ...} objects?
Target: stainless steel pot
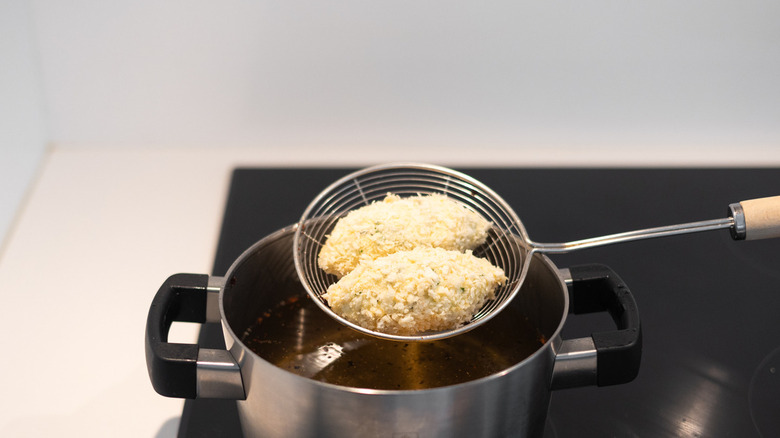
[{"x": 273, "y": 402}]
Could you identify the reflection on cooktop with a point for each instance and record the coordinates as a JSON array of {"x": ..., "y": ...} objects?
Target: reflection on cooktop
[{"x": 764, "y": 395}]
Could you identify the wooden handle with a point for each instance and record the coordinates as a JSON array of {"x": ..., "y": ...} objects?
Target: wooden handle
[{"x": 762, "y": 218}]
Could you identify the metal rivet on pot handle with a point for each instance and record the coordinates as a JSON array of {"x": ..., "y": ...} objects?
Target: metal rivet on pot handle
[
  {"x": 186, "y": 370},
  {"x": 604, "y": 358},
  {"x": 756, "y": 218}
]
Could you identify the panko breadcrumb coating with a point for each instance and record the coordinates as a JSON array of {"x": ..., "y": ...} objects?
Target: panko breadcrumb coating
[
  {"x": 395, "y": 224},
  {"x": 413, "y": 291}
]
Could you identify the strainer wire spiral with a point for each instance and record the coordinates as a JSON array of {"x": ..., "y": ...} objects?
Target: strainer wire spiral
[{"x": 505, "y": 246}]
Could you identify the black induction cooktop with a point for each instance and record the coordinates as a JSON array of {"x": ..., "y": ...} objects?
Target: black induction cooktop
[{"x": 709, "y": 305}]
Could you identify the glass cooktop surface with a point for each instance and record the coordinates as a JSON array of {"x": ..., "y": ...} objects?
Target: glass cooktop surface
[{"x": 708, "y": 304}]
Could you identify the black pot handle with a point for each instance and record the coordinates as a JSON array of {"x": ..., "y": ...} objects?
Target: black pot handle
[
  {"x": 618, "y": 353},
  {"x": 173, "y": 367}
]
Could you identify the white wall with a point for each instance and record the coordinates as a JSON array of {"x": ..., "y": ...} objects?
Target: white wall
[
  {"x": 22, "y": 133},
  {"x": 633, "y": 78},
  {"x": 663, "y": 82}
]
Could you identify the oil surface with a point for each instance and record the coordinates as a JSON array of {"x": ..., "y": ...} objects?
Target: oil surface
[{"x": 301, "y": 338}]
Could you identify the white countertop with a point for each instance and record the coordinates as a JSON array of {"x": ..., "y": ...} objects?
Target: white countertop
[
  {"x": 96, "y": 238},
  {"x": 99, "y": 233}
]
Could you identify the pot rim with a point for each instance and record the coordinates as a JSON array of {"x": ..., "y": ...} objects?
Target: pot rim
[{"x": 290, "y": 229}]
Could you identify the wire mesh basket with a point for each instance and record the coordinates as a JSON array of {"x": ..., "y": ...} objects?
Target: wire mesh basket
[{"x": 505, "y": 246}]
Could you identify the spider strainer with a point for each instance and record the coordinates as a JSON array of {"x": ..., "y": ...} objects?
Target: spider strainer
[{"x": 507, "y": 245}]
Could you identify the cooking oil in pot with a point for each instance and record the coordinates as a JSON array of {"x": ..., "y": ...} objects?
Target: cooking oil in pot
[{"x": 299, "y": 337}]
